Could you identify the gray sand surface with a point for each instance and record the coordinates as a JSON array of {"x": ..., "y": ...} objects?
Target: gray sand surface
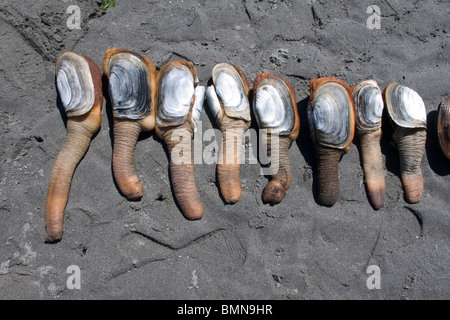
[{"x": 249, "y": 250}]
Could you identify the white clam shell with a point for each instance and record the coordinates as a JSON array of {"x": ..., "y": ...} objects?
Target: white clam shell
[
  {"x": 214, "y": 103},
  {"x": 329, "y": 115},
  {"x": 273, "y": 105},
  {"x": 198, "y": 105},
  {"x": 176, "y": 91},
  {"x": 129, "y": 86},
  {"x": 74, "y": 83},
  {"x": 230, "y": 89},
  {"x": 368, "y": 102},
  {"x": 405, "y": 107}
]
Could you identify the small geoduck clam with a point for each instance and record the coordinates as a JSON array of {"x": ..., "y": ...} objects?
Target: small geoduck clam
[
  {"x": 369, "y": 105},
  {"x": 79, "y": 85},
  {"x": 332, "y": 125},
  {"x": 443, "y": 126},
  {"x": 132, "y": 89},
  {"x": 179, "y": 106},
  {"x": 275, "y": 109},
  {"x": 407, "y": 112},
  {"x": 227, "y": 99}
]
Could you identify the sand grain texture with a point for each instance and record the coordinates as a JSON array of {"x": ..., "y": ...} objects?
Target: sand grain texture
[{"x": 249, "y": 250}]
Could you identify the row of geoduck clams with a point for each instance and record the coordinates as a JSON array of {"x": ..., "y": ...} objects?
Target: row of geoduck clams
[{"x": 171, "y": 99}]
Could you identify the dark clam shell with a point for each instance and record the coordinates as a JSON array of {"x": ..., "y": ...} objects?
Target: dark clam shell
[{"x": 129, "y": 86}]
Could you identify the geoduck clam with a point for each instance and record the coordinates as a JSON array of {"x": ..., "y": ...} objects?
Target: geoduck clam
[
  {"x": 228, "y": 100},
  {"x": 132, "y": 88},
  {"x": 332, "y": 126},
  {"x": 275, "y": 109},
  {"x": 407, "y": 112},
  {"x": 368, "y": 103},
  {"x": 79, "y": 85},
  {"x": 179, "y": 106}
]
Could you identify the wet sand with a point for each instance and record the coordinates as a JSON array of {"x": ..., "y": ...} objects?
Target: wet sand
[{"x": 248, "y": 250}]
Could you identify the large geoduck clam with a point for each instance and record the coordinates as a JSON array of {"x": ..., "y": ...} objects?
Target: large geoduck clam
[
  {"x": 368, "y": 103},
  {"x": 407, "y": 112},
  {"x": 227, "y": 98},
  {"x": 132, "y": 88},
  {"x": 179, "y": 106},
  {"x": 79, "y": 85},
  {"x": 443, "y": 126},
  {"x": 332, "y": 126},
  {"x": 275, "y": 109}
]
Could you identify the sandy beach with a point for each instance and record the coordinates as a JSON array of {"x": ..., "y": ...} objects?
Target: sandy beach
[{"x": 147, "y": 249}]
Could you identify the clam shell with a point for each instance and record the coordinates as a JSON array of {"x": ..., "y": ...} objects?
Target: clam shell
[
  {"x": 331, "y": 115},
  {"x": 231, "y": 87},
  {"x": 74, "y": 83},
  {"x": 369, "y": 105},
  {"x": 405, "y": 107},
  {"x": 273, "y": 106},
  {"x": 129, "y": 86},
  {"x": 198, "y": 105},
  {"x": 444, "y": 125},
  {"x": 214, "y": 103},
  {"x": 176, "y": 90}
]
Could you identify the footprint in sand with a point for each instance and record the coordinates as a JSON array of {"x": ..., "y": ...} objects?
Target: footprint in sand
[{"x": 217, "y": 251}]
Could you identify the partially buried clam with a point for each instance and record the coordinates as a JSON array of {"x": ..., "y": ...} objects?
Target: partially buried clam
[
  {"x": 275, "y": 109},
  {"x": 228, "y": 100},
  {"x": 368, "y": 102},
  {"x": 409, "y": 119},
  {"x": 332, "y": 126},
  {"x": 79, "y": 85},
  {"x": 132, "y": 88},
  {"x": 444, "y": 126},
  {"x": 179, "y": 106}
]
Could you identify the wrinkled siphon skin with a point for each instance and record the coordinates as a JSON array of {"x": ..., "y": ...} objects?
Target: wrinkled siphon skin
[
  {"x": 373, "y": 166},
  {"x": 229, "y": 158},
  {"x": 178, "y": 139},
  {"x": 182, "y": 175},
  {"x": 79, "y": 132},
  {"x": 126, "y": 135},
  {"x": 411, "y": 146},
  {"x": 276, "y": 188},
  {"x": 126, "y": 131},
  {"x": 327, "y": 161}
]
